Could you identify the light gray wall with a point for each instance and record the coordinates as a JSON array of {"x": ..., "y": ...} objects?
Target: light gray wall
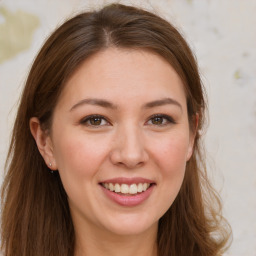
[{"x": 222, "y": 34}]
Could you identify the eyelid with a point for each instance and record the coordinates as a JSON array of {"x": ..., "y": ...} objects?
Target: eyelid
[
  {"x": 87, "y": 118},
  {"x": 167, "y": 117}
]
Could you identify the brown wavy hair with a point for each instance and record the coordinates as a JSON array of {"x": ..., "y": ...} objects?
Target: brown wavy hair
[{"x": 35, "y": 213}]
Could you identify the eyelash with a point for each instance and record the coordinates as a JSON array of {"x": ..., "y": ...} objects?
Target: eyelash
[
  {"x": 87, "y": 119},
  {"x": 169, "y": 119},
  {"x": 84, "y": 121}
]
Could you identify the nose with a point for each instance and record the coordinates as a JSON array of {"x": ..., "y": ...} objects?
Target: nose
[{"x": 129, "y": 148}]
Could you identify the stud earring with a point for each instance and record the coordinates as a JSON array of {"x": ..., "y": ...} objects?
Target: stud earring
[{"x": 50, "y": 165}]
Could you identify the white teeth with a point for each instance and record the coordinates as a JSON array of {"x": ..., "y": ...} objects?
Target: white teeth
[
  {"x": 127, "y": 189},
  {"x": 111, "y": 187},
  {"x": 133, "y": 189},
  {"x": 140, "y": 187},
  {"x": 117, "y": 188},
  {"x": 145, "y": 186},
  {"x": 124, "y": 189}
]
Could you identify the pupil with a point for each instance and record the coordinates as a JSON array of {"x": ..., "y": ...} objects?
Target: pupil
[
  {"x": 157, "y": 120},
  {"x": 95, "y": 121}
]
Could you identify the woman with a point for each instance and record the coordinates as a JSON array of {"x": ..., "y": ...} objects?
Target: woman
[{"x": 105, "y": 157}]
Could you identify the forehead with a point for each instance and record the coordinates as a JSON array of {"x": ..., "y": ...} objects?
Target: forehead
[{"x": 124, "y": 74}]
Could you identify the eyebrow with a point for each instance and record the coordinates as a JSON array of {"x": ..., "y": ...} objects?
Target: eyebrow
[
  {"x": 106, "y": 104},
  {"x": 97, "y": 102},
  {"x": 162, "y": 102}
]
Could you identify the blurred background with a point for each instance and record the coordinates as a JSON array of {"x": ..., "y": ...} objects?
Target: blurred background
[{"x": 221, "y": 33}]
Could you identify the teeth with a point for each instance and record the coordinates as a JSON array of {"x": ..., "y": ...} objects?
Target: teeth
[
  {"x": 117, "y": 188},
  {"x": 124, "y": 189},
  {"x": 140, "y": 188},
  {"x": 145, "y": 187},
  {"x": 111, "y": 187},
  {"x": 127, "y": 189},
  {"x": 133, "y": 189}
]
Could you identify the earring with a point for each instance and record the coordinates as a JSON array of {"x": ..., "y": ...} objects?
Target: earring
[{"x": 50, "y": 165}]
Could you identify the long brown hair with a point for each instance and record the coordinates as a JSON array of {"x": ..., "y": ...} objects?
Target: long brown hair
[{"x": 35, "y": 212}]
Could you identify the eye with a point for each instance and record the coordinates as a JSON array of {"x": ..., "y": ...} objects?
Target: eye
[
  {"x": 94, "y": 120},
  {"x": 160, "y": 120}
]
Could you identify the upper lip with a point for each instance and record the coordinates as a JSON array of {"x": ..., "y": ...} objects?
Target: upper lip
[{"x": 128, "y": 181}]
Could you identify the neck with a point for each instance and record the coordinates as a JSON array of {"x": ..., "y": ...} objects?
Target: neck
[{"x": 97, "y": 243}]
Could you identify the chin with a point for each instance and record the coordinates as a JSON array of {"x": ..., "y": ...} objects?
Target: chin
[{"x": 129, "y": 226}]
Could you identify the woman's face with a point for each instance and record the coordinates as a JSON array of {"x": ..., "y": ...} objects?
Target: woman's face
[{"x": 120, "y": 139}]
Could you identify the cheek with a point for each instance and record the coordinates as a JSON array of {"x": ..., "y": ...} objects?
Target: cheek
[
  {"x": 173, "y": 166},
  {"x": 79, "y": 155},
  {"x": 172, "y": 153},
  {"x": 170, "y": 156}
]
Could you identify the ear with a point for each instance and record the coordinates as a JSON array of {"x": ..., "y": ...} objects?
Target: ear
[
  {"x": 44, "y": 142},
  {"x": 192, "y": 135}
]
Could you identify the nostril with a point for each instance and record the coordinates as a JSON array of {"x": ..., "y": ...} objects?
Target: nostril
[
  {"x": 127, "y": 160},
  {"x": 129, "y": 152}
]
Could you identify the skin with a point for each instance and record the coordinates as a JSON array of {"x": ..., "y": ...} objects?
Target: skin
[{"x": 127, "y": 142}]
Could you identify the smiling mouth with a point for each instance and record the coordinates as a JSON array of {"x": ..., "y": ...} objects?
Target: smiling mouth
[{"x": 126, "y": 189}]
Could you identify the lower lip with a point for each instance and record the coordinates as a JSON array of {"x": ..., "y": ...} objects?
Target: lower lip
[{"x": 126, "y": 200}]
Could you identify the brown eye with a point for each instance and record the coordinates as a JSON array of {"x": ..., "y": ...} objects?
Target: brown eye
[
  {"x": 160, "y": 120},
  {"x": 157, "y": 120},
  {"x": 94, "y": 120}
]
